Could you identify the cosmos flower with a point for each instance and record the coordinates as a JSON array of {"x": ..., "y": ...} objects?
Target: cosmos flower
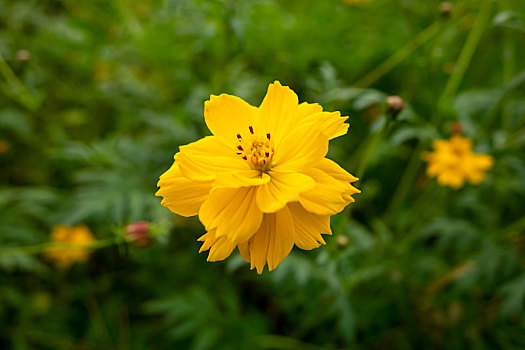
[
  {"x": 261, "y": 182},
  {"x": 453, "y": 162},
  {"x": 77, "y": 235}
]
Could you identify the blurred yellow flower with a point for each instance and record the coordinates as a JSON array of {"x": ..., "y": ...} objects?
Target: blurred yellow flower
[
  {"x": 453, "y": 162},
  {"x": 79, "y": 236},
  {"x": 261, "y": 182}
]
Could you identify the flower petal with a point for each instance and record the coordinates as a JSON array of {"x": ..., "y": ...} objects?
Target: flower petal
[
  {"x": 333, "y": 169},
  {"x": 232, "y": 212},
  {"x": 451, "y": 178},
  {"x": 475, "y": 167},
  {"x": 181, "y": 195},
  {"x": 273, "y": 241},
  {"x": 277, "y": 111},
  {"x": 207, "y": 157},
  {"x": 482, "y": 161},
  {"x": 301, "y": 149},
  {"x": 220, "y": 247},
  {"x": 309, "y": 227},
  {"x": 332, "y": 191},
  {"x": 226, "y": 116},
  {"x": 330, "y": 123},
  {"x": 244, "y": 249},
  {"x": 241, "y": 178},
  {"x": 461, "y": 144},
  {"x": 281, "y": 189}
]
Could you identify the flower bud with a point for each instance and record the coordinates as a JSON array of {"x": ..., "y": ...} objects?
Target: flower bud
[
  {"x": 342, "y": 240},
  {"x": 394, "y": 105},
  {"x": 445, "y": 8},
  {"x": 23, "y": 55},
  {"x": 456, "y": 128},
  {"x": 138, "y": 233}
]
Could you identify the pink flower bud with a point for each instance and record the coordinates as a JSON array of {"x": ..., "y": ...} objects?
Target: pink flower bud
[
  {"x": 342, "y": 240},
  {"x": 394, "y": 105},
  {"x": 138, "y": 233},
  {"x": 446, "y": 8},
  {"x": 23, "y": 55}
]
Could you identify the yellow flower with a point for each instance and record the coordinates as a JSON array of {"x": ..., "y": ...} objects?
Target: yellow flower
[
  {"x": 77, "y": 235},
  {"x": 453, "y": 162},
  {"x": 261, "y": 182}
]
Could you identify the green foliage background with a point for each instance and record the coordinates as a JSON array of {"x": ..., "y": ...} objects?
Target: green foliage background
[{"x": 96, "y": 96}]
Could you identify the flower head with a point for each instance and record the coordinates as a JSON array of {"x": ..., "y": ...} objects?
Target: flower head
[
  {"x": 453, "y": 162},
  {"x": 261, "y": 182},
  {"x": 79, "y": 236}
]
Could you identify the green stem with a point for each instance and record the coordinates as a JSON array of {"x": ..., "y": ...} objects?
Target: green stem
[
  {"x": 426, "y": 207},
  {"x": 399, "y": 56},
  {"x": 465, "y": 57},
  {"x": 512, "y": 231},
  {"x": 517, "y": 225},
  {"x": 372, "y": 145},
  {"x": 15, "y": 87},
  {"x": 10, "y": 76},
  {"x": 406, "y": 182},
  {"x": 43, "y": 247},
  {"x": 509, "y": 53},
  {"x": 488, "y": 119},
  {"x": 509, "y": 67}
]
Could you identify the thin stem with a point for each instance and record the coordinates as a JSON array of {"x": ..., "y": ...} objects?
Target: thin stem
[
  {"x": 509, "y": 51},
  {"x": 489, "y": 117},
  {"x": 517, "y": 225},
  {"x": 512, "y": 231},
  {"x": 10, "y": 76},
  {"x": 465, "y": 56},
  {"x": 15, "y": 87},
  {"x": 400, "y": 55},
  {"x": 426, "y": 205},
  {"x": 370, "y": 150},
  {"x": 406, "y": 182},
  {"x": 509, "y": 67}
]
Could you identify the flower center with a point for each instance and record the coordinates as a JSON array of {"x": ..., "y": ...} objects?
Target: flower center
[{"x": 258, "y": 151}]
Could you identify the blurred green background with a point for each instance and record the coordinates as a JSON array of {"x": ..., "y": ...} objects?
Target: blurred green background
[{"x": 97, "y": 95}]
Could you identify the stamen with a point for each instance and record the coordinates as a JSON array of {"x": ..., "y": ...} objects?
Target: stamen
[{"x": 258, "y": 151}]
